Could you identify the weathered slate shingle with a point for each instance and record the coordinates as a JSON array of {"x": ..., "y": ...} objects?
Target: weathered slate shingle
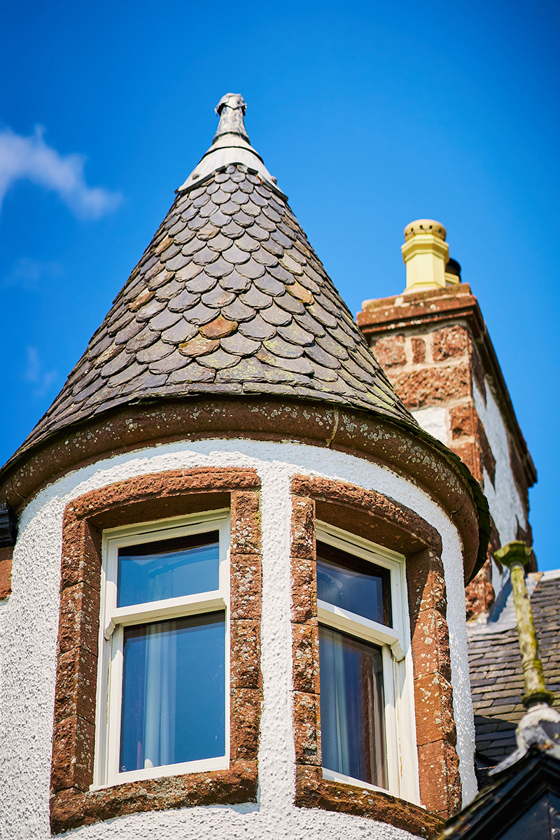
[{"x": 228, "y": 292}]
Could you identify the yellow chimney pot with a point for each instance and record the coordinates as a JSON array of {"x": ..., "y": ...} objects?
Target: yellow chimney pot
[{"x": 425, "y": 254}]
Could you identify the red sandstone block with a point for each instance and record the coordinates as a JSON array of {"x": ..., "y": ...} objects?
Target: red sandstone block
[
  {"x": 245, "y": 654},
  {"x": 463, "y": 421},
  {"x": 6, "y": 571},
  {"x": 76, "y": 683},
  {"x": 430, "y": 645},
  {"x": 79, "y": 618},
  {"x": 390, "y": 351},
  {"x": 246, "y": 584},
  {"x": 245, "y": 716},
  {"x": 432, "y": 385},
  {"x": 71, "y": 809},
  {"x": 305, "y": 649},
  {"x": 440, "y": 782},
  {"x": 303, "y": 527},
  {"x": 433, "y": 697},
  {"x": 449, "y": 342},
  {"x": 81, "y": 553},
  {"x": 312, "y": 791},
  {"x": 479, "y": 594},
  {"x": 418, "y": 351},
  {"x": 245, "y": 523},
  {"x": 73, "y": 754},
  {"x": 304, "y": 590},
  {"x": 306, "y": 725},
  {"x": 471, "y": 455},
  {"x": 425, "y": 583}
]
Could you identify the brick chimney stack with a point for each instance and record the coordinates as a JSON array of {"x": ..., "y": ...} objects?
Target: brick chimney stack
[{"x": 434, "y": 346}]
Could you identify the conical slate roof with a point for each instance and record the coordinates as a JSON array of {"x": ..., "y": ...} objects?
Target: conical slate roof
[{"x": 228, "y": 299}]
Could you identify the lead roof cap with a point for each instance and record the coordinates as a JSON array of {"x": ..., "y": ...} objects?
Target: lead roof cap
[{"x": 230, "y": 145}]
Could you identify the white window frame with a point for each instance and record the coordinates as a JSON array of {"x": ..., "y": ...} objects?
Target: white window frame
[
  {"x": 114, "y": 619},
  {"x": 398, "y": 687}
]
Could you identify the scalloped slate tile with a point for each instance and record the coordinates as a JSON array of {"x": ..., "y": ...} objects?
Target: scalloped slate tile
[
  {"x": 170, "y": 290},
  {"x": 235, "y": 282},
  {"x": 239, "y": 345},
  {"x": 256, "y": 299},
  {"x": 257, "y": 328},
  {"x": 183, "y": 301},
  {"x": 202, "y": 283},
  {"x": 238, "y": 311},
  {"x": 282, "y": 348},
  {"x": 274, "y": 315},
  {"x": 180, "y": 332},
  {"x": 193, "y": 372},
  {"x": 219, "y": 359},
  {"x": 218, "y": 297}
]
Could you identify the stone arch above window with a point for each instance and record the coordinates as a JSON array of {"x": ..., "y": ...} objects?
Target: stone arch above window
[
  {"x": 154, "y": 496},
  {"x": 371, "y": 516}
]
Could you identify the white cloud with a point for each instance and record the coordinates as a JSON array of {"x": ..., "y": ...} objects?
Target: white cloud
[
  {"x": 29, "y": 274},
  {"x": 31, "y": 158},
  {"x": 36, "y": 375}
]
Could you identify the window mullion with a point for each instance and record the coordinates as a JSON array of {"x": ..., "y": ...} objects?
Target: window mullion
[
  {"x": 391, "y": 720},
  {"x": 114, "y": 696},
  {"x": 350, "y": 623},
  {"x": 169, "y": 608}
]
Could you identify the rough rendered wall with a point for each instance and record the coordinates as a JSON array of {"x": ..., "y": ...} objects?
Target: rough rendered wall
[{"x": 28, "y": 626}]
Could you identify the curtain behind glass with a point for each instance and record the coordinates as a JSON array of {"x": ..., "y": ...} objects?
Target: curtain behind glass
[
  {"x": 352, "y": 716},
  {"x": 173, "y": 701}
]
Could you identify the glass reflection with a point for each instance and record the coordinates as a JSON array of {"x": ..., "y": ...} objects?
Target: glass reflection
[
  {"x": 168, "y": 569},
  {"x": 353, "y": 584}
]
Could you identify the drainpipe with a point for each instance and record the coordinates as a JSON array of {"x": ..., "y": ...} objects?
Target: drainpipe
[{"x": 515, "y": 555}]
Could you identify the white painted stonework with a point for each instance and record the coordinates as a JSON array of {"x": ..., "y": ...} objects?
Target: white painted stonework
[
  {"x": 504, "y": 499},
  {"x": 435, "y": 421},
  {"x": 29, "y": 623}
]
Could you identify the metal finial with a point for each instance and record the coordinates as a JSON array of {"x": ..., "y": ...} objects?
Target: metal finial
[
  {"x": 231, "y": 109},
  {"x": 230, "y": 146},
  {"x": 515, "y": 555}
]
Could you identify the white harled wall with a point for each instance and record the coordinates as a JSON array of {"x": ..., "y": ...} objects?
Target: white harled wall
[
  {"x": 504, "y": 498},
  {"x": 29, "y": 624}
]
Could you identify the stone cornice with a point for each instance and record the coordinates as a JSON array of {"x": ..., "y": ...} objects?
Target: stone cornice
[{"x": 407, "y": 451}]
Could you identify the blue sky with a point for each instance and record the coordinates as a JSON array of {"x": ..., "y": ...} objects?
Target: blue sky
[{"x": 370, "y": 115}]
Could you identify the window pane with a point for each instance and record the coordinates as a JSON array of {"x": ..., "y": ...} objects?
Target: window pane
[
  {"x": 173, "y": 700},
  {"x": 168, "y": 569},
  {"x": 352, "y": 707},
  {"x": 353, "y": 584}
]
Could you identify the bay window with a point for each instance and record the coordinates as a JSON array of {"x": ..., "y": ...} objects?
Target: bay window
[
  {"x": 365, "y": 695},
  {"x": 163, "y": 684}
]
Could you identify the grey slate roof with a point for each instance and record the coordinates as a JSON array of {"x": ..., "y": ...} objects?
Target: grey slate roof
[
  {"x": 495, "y": 667},
  {"x": 229, "y": 298}
]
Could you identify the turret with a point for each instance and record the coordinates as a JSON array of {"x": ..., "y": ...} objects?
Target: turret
[{"x": 238, "y": 577}]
